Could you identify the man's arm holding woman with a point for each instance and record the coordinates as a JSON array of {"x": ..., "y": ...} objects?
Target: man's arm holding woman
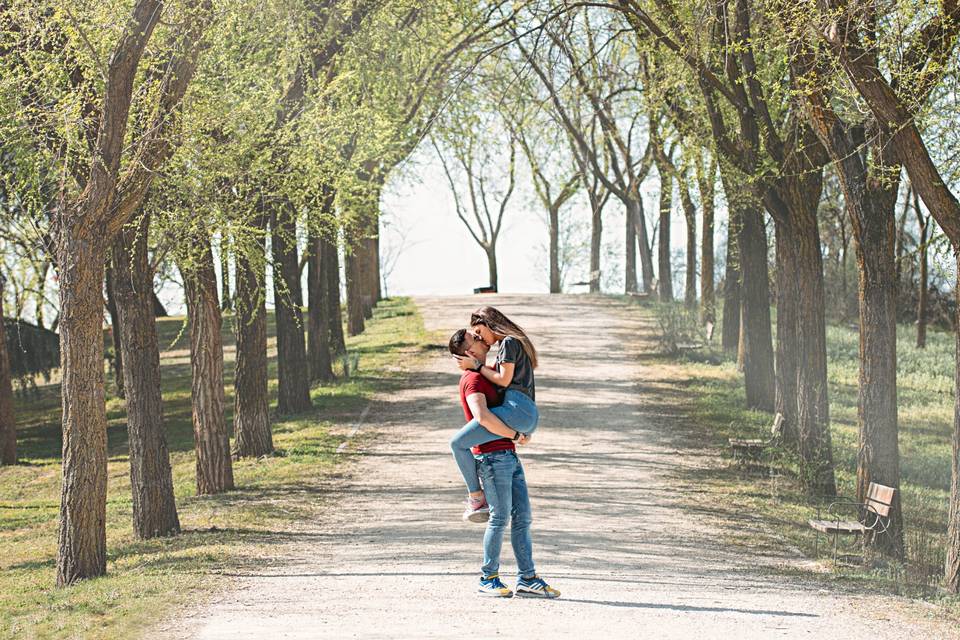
[{"x": 478, "y": 407}]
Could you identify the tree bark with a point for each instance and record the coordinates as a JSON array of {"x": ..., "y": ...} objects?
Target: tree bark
[
  {"x": 755, "y": 305},
  {"x": 554, "y": 229},
  {"x": 730, "y": 339},
  {"x": 785, "y": 400},
  {"x": 115, "y": 332},
  {"x": 293, "y": 379},
  {"x": 492, "y": 267},
  {"x": 211, "y": 439},
  {"x": 355, "y": 321},
  {"x": 596, "y": 239},
  {"x": 330, "y": 264},
  {"x": 370, "y": 276},
  {"x": 922, "y": 291},
  {"x": 690, "y": 277},
  {"x": 708, "y": 304},
  {"x": 8, "y": 423},
  {"x": 151, "y": 479},
  {"x": 643, "y": 242},
  {"x": 251, "y": 418},
  {"x": 663, "y": 249},
  {"x": 82, "y": 540},
  {"x": 630, "y": 253},
  {"x": 318, "y": 336},
  {"x": 952, "y": 568}
]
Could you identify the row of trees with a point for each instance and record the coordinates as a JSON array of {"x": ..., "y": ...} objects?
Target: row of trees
[
  {"x": 806, "y": 115},
  {"x": 140, "y": 136},
  {"x": 184, "y": 131}
]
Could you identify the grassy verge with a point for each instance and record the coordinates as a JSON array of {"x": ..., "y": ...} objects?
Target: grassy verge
[
  {"x": 925, "y": 381},
  {"x": 221, "y": 533}
]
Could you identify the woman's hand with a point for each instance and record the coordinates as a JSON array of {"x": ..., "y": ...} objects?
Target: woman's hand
[
  {"x": 466, "y": 363},
  {"x": 524, "y": 439}
]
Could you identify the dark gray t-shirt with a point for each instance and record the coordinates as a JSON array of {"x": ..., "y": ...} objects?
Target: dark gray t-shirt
[{"x": 511, "y": 350}]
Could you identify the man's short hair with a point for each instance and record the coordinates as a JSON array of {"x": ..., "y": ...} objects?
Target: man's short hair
[{"x": 458, "y": 342}]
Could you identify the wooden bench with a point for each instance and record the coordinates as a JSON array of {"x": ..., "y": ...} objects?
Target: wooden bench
[
  {"x": 873, "y": 516},
  {"x": 752, "y": 449},
  {"x": 487, "y": 289}
]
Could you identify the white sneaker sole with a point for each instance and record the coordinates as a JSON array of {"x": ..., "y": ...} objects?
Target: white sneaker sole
[
  {"x": 494, "y": 594},
  {"x": 536, "y": 594},
  {"x": 481, "y": 515}
]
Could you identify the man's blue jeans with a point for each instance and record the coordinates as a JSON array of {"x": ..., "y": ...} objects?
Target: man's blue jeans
[
  {"x": 518, "y": 412},
  {"x": 506, "y": 489}
]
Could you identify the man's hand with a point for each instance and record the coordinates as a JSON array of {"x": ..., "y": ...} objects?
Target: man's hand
[
  {"x": 466, "y": 363},
  {"x": 524, "y": 438}
]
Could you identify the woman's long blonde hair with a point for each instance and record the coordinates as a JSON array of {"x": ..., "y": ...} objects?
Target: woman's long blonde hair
[{"x": 492, "y": 319}]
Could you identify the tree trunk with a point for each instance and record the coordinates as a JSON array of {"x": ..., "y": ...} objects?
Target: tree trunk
[
  {"x": 708, "y": 305},
  {"x": 117, "y": 360},
  {"x": 8, "y": 423},
  {"x": 630, "y": 253},
  {"x": 643, "y": 240},
  {"x": 663, "y": 250},
  {"x": 730, "y": 340},
  {"x": 755, "y": 305},
  {"x": 82, "y": 540},
  {"x": 690, "y": 214},
  {"x": 370, "y": 277},
  {"x": 785, "y": 401},
  {"x": 922, "y": 292},
  {"x": 251, "y": 418},
  {"x": 813, "y": 406},
  {"x": 355, "y": 322},
  {"x": 952, "y": 568},
  {"x": 596, "y": 238},
  {"x": 330, "y": 265},
  {"x": 492, "y": 266},
  {"x": 151, "y": 480},
  {"x": 211, "y": 439},
  {"x": 226, "y": 300},
  {"x": 318, "y": 336},
  {"x": 293, "y": 379},
  {"x": 554, "y": 228}
]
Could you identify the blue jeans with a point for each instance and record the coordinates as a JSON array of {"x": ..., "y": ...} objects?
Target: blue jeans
[
  {"x": 518, "y": 412},
  {"x": 506, "y": 489}
]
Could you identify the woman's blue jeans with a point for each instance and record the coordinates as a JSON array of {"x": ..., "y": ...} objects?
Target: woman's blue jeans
[
  {"x": 506, "y": 490},
  {"x": 518, "y": 412}
]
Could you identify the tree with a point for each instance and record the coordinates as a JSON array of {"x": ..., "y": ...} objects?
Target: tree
[
  {"x": 8, "y": 423},
  {"x": 151, "y": 479}
]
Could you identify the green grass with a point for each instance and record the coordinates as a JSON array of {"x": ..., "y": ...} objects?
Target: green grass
[
  {"x": 222, "y": 533},
  {"x": 925, "y": 402}
]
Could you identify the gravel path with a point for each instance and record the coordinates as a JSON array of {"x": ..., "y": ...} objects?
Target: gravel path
[{"x": 394, "y": 560}]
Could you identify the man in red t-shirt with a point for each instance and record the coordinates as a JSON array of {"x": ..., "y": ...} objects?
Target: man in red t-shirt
[{"x": 504, "y": 484}]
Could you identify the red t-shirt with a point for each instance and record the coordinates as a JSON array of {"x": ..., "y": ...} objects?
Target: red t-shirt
[{"x": 472, "y": 382}]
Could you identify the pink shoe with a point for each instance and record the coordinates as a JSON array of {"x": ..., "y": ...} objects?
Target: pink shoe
[{"x": 477, "y": 510}]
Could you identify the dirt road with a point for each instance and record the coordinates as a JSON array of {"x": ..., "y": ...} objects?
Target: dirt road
[{"x": 394, "y": 560}]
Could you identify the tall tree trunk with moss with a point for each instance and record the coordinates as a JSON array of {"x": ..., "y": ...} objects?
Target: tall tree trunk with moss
[
  {"x": 251, "y": 418},
  {"x": 211, "y": 438},
  {"x": 8, "y": 423},
  {"x": 293, "y": 376},
  {"x": 151, "y": 479}
]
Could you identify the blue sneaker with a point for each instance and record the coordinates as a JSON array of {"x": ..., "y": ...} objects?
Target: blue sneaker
[
  {"x": 492, "y": 586},
  {"x": 535, "y": 587}
]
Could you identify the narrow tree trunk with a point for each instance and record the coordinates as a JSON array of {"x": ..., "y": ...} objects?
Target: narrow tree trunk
[
  {"x": 226, "y": 300},
  {"x": 251, "y": 417},
  {"x": 330, "y": 264},
  {"x": 596, "y": 238},
  {"x": 708, "y": 305},
  {"x": 116, "y": 339},
  {"x": 318, "y": 336},
  {"x": 630, "y": 253},
  {"x": 151, "y": 479},
  {"x": 554, "y": 228},
  {"x": 922, "y": 292},
  {"x": 952, "y": 568},
  {"x": 730, "y": 340},
  {"x": 370, "y": 276},
  {"x": 293, "y": 377},
  {"x": 690, "y": 288},
  {"x": 355, "y": 322},
  {"x": 82, "y": 539},
  {"x": 663, "y": 250},
  {"x": 8, "y": 423},
  {"x": 643, "y": 240},
  {"x": 492, "y": 266},
  {"x": 211, "y": 439},
  {"x": 755, "y": 304}
]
